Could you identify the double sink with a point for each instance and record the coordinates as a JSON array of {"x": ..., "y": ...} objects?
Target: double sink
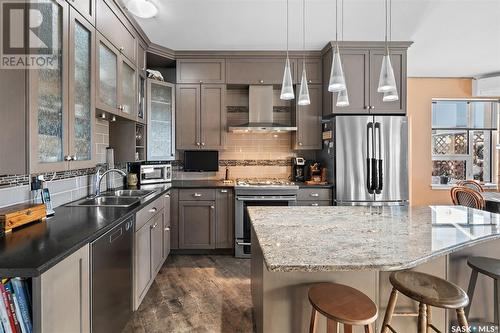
[{"x": 119, "y": 198}]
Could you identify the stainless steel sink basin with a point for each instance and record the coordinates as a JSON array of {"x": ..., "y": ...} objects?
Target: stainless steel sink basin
[
  {"x": 105, "y": 201},
  {"x": 128, "y": 193}
]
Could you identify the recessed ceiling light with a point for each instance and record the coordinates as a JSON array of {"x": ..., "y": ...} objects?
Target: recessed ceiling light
[{"x": 142, "y": 8}]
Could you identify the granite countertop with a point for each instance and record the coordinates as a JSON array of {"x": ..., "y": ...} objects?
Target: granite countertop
[
  {"x": 304, "y": 185},
  {"x": 314, "y": 239},
  {"x": 31, "y": 250},
  {"x": 200, "y": 183}
]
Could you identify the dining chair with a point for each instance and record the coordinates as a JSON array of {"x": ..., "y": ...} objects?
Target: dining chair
[
  {"x": 465, "y": 196},
  {"x": 472, "y": 184}
]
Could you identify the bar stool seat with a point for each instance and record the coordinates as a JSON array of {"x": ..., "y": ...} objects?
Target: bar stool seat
[
  {"x": 341, "y": 304},
  {"x": 485, "y": 265},
  {"x": 429, "y": 289}
]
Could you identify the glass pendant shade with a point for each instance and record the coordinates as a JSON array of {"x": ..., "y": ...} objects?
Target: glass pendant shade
[
  {"x": 287, "y": 85},
  {"x": 391, "y": 96},
  {"x": 142, "y": 8},
  {"x": 342, "y": 99},
  {"x": 304, "y": 90},
  {"x": 387, "y": 81},
  {"x": 337, "y": 79}
]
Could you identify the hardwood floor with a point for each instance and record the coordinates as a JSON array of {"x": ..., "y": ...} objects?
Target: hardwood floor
[{"x": 197, "y": 293}]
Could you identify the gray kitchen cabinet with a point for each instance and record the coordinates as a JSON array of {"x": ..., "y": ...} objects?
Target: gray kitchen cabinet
[
  {"x": 141, "y": 57},
  {"x": 128, "y": 86},
  {"x": 201, "y": 71},
  {"x": 257, "y": 70},
  {"x": 86, "y": 8},
  {"x": 224, "y": 225},
  {"x": 201, "y": 116},
  {"x": 197, "y": 224},
  {"x": 161, "y": 121},
  {"x": 174, "y": 219},
  {"x": 314, "y": 203},
  {"x": 166, "y": 225},
  {"x": 314, "y": 194},
  {"x": 113, "y": 25},
  {"x": 61, "y": 296},
  {"x": 157, "y": 243},
  {"x": 313, "y": 70},
  {"x": 142, "y": 260},
  {"x": 308, "y": 121}
]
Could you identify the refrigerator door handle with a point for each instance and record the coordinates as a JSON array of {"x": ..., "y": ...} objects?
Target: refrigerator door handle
[
  {"x": 369, "y": 158},
  {"x": 378, "y": 158}
]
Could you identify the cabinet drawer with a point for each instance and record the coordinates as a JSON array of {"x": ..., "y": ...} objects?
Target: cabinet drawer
[
  {"x": 198, "y": 194},
  {"x": 148, "y": 212},
  {"x": 112, "y": 27},
  {"x": 314, "y": 203},
  {"x": 201, "y": 71},
  {"x": 257, "y": 71},
  {"x": 315, "y": 194}
]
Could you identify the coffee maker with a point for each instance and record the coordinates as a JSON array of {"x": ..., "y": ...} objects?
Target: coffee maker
[{"x": 299, "y": 169}]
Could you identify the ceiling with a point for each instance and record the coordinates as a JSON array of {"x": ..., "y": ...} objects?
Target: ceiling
[{"x": 452, "y": 38}]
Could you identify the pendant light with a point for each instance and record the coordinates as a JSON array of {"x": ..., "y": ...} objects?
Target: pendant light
[
  {"x": 304, "y": 88},
  {"x": 142, "y": 8},
  {"x": 337, "y": 79},
  {"x": 287, "y": 85},
  {"x": 387, "y": 81},
  {"x": 342, "y": 97},
  {"x": 391, "y": 95}
]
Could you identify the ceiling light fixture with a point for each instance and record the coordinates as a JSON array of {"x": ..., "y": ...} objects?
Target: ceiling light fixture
[
  {"x": 391, "y": 95},
  {"x": 387, "y": 81},
  {"x": 287, "y": 85},
  {"x": 342, "y": 96},
  {"x": 337, "y": 79},
  {"x": 142, "y": 8},
  {"x": 304, "y": 89}
]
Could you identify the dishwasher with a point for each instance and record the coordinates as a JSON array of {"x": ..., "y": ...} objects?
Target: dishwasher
[{"x": 111, "y": 278}]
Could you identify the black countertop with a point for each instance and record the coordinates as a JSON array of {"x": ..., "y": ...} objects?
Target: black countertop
[{"x": 30, "y": 251}]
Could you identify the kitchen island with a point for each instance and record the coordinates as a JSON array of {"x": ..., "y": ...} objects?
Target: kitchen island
[{"x": 293, "y": 247}]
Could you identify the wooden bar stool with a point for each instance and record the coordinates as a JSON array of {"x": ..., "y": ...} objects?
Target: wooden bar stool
[
  {"x": 429, "y": 291},
  {"x": 489, "y": 267},
  {"x": 341, "y": 304}
]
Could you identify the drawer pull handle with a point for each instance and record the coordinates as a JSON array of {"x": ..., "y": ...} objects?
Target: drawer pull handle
[
  {"x": 314, "y": 195},
  {"x": 197, "y": 195},
  {"x": 212, "y": 207},
  {"x": 315, "y": 204},
  {"x": 167, "y": 195},
  {"x": 153, "y": 210},
  {"x": 167, "y": 229}
]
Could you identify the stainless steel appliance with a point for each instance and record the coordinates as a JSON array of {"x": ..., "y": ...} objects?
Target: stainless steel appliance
[
  {"x": 299, "y": 168},
  {"x": 111, "y": 278},
  {"x": 371, "y": 160},
  {"x": 152, "y": 172},
  {"x": 257, "y": 192}
]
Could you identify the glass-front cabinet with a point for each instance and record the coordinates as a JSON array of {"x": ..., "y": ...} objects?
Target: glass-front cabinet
[{"x": 161, "y": 106}]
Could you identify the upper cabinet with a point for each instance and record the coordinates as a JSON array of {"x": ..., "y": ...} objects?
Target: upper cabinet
[
  {"x": 113, "y": 26},
  {"x": 86, "y": 8},
  {"x": 361, "y": 67},
  {"x": 201, "y": 116},
  {"x": 257, "y": 70},
  {"x": 313, "y": 70},
  {"x": 161, "y": 106},
  {"x": 308, "y": 121},
  {"x": 201, "y": 71}
]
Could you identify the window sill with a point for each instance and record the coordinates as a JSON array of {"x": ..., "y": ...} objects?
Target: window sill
[{"x": 487, "y": 186}]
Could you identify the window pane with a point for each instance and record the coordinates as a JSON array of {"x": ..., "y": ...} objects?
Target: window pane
[
  {"x": 449, "y": 142},
  {"x": 454, "y": 169},
  {"x": 481, "y": 156},
  {"x": 449, "y": 114},
  {"x": 484, "y": 114}
]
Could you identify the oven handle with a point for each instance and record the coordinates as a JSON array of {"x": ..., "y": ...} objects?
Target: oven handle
[{"x": 266, "y": 199}]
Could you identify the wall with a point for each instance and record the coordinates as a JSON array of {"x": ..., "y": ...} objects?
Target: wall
[{"x": 420, "y": 94}]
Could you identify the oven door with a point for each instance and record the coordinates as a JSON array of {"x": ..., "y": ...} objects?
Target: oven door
[
  {"x": 151, "y": 174},
  {"x": 243, "y": 228}
]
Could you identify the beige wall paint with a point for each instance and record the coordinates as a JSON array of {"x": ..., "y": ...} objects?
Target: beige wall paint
[{"x": 420, "y": 94}]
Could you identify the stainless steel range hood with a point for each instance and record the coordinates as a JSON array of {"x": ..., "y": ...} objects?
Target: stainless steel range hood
[{"x": 260, "y": 115}]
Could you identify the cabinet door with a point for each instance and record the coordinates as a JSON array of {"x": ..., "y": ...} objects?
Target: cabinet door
[
  {"x": 308, "y": 121},
  {"x": 398, "y": 60},
  {"x": 201, "y": 71},
  {"x": 213, "y": 116},
  {"x": 161, "y": 105},
  {"x": 196, "y": 224},
  {"x": 48, "y": 103},
  {"x": 107, "y": 60},
  {"x": 313, "y": 70},
  {"x": 224, "y": 225},
  {"x": 81, "y": 87},
  {"x": 257, "y": 70},
  {"x": 166, "y": 226},
  {"x": 188, "y": 113},
  {"x": 127, "y": 78},
  {"x": 141, "y": 58},
  {"x": 157, "y": 243},
  {"x": 86, "y": 8},
  {"x": 142, "y": 262},
  {"x": 62, "y": 295},
  {"x": 356, "y": 70}
]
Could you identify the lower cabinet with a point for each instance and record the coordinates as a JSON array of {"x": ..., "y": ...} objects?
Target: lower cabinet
[
  {"x": 311, "y": 196},
  {"x": 314, "y": 203},
  {"x": 197, "y": 224},
  {"x": 166, "y": 226},
  {"x": 224, "y": 215},
  {"x": 62, "y": 296}
]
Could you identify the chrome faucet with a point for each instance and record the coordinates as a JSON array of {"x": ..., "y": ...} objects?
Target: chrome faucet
[{"x": 99, "y": 177}]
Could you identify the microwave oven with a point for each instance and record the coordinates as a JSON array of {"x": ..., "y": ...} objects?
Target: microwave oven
[{"x": 152, "y": 172}]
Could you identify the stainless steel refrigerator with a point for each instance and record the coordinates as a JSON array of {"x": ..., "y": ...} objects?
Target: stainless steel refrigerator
[{"x": 371, "y": 160}]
